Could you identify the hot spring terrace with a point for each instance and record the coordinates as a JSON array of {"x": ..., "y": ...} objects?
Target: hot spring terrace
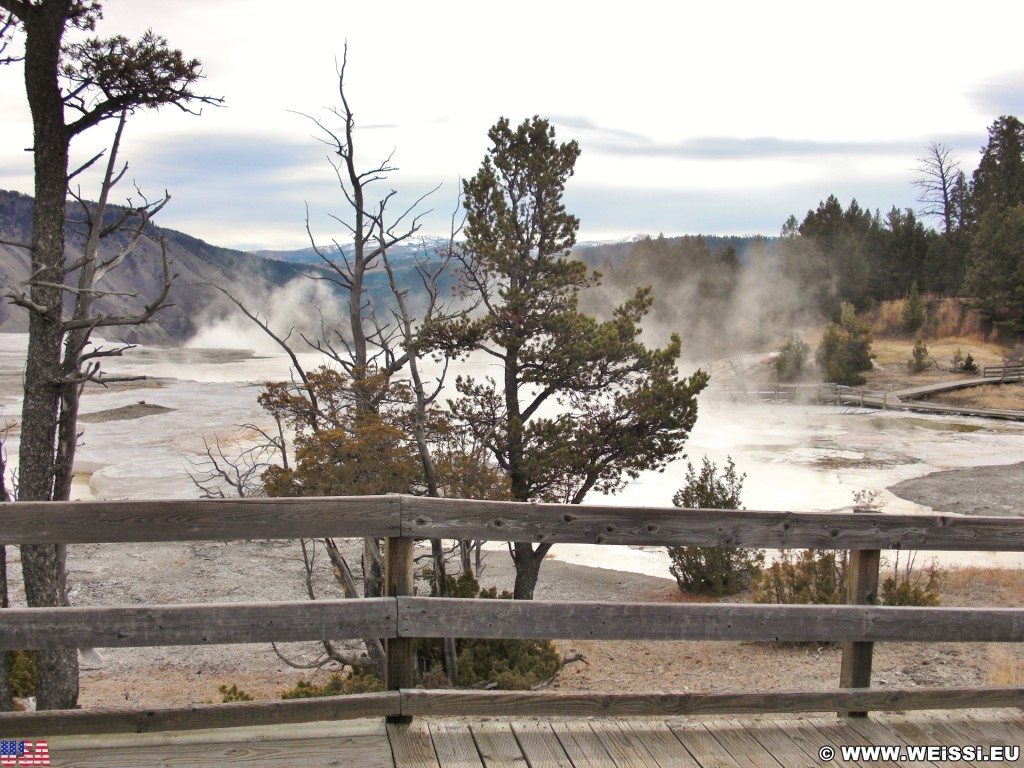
[{"x": 409, "y": 726}]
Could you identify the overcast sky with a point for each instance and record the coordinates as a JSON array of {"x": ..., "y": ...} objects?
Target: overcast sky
[{"x": 721, "y": 119}]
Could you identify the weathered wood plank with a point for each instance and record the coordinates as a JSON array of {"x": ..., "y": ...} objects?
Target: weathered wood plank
[
  {"x": 861, "y": 589},
  {"x": 789, "y": 749},
  {"x": 411, "y": 746},
  {"x": 660, "y": 526},
  {"x": 454, "y": 745},
  {"x": 50, "y": 723},
  {"x": 99, "y": 522},
  {"x": 664, "y": 747},
  {"x": 205, "y": 624},
  {"x": 400, "y": 662},
  {"x": 540, "y": 746},
  {"x": 452, "y": 617},
  {"x": 365, "y": 752},
  {"x": 699, "y": 740},
  {"x": 582, "y": 745},
  {"x": 364, "y": 742},
  {"x": 623, "y": 745},
  {"x": 497, "y": 745},
  {"x": 422, "y": 703},
  {"x": 882, "y": 733},
  {"x": 744, "y": 748},
  {"x": 382, "y": 516}
]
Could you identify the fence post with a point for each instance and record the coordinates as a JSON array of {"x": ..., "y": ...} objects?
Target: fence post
[
  {"x": 400, "y": 653},
  {"x": 861, "y": 589}
]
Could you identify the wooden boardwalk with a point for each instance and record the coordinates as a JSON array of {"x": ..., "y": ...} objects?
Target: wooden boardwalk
[{"x": 753, "y": 742}]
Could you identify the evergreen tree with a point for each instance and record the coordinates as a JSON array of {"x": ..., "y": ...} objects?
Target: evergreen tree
[
  {"x": 912, "y": 316},
  {"x": 995, "y": 279},
  {"x": 581, "y": 405},
  {"x": 999, "y": 178}
]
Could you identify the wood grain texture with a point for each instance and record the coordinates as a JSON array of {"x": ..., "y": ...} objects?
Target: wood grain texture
[
  {"x": 422, "y": 703},
  {"x": 669, "y": 526},
  {"x": 454, "y": 745},
  {"x": 411, "y": 746},
  {"x": 540, "y": 745},
  {"x": 150, "y": 625},
  {"x": 497, "y": 745},
  {"x": 420, "y": 517},
  {"x": 98, "y": 522},
  {"x": 662, "y": 744},
  {"x": 581, "y": 744},
  {"x": 538, "y": 619},
  {"x": 45, "y": 724}
]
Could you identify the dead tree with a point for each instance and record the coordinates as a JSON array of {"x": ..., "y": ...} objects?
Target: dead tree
[
  {"x": 937, "y": 182},
  {"x": 70, "y": 88}
]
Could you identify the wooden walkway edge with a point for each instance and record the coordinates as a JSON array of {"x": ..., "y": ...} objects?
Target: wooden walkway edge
[{"x": 764, "y": 742}]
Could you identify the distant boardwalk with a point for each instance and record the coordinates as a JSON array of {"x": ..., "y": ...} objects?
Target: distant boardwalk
[{"x": 902, "y": 399}]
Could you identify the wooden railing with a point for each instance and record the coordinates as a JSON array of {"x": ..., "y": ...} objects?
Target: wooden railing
[
  {"x": 1003, "y": 372},
  {"x": 401, "y": 617}
]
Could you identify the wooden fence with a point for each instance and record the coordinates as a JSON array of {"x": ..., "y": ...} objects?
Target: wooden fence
[
  {"x": 402, "y": 617},
  {"x": 1003, "y": 372}
]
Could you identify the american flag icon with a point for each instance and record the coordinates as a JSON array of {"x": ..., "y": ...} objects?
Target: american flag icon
[{"x": 20, "y": 753}]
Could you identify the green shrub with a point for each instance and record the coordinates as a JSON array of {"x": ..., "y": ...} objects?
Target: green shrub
[
  {"x": 791, "y": 362},
  {"x": 712, "y": 570},
  {"x": 234, "y": 693},
  {"x": 909, "y": 587},
  {"x": 919, "y": 361},
  {"x": 810, "y": 576},
  {"x": 359, "y": 681},
  {"x": 21, "y": 667},
  {"x": 845, "y": 349},
  {"x": 965, "y": 364},
  {"x": 505, "y": 664}
]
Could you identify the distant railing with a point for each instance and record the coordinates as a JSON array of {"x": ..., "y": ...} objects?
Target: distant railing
[
  {"x": 402, "y": 617},
  {"x": 819, "y": 394},
  {"x": 1003, "y": 372}
]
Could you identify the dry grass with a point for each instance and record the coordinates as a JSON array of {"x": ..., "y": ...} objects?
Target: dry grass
[
  {"x": 944, "y": 318},
  {"x": 1006, "y": 666},
  {"x": 1005, "y": 396}
]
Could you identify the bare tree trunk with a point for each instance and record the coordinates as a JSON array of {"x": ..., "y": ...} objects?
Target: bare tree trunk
[
  {"x": 528, "y": 562},
  {"x": 374, "y": 647},
  {"x": 43, "y": 565}
]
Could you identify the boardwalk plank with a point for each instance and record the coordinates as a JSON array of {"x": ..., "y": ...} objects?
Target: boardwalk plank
[
  {"x": 498, "y": 745},
  {"x": 789, "y": 748},
  {"x": 315, "y": 745},
  {"x": 454, "y": 745},
  {"x": 995, "y": 724},
  {"x": 879, "y": 732},
  {"x": 625, "y": 748},
  {"x": 411, "y": 746},
  {"x": 663, "y": 745},
  {"x": 741, "y": 745},
  {"x": 818, "y": 733},
  {"x": 700, "y": 743},
  {"x": 909, "y": 730},
  {"x": 540, "y": 745},
  {"x": 582, "y": 745}
]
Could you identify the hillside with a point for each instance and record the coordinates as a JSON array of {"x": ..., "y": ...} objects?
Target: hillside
[{"x": 197, "y": 265}]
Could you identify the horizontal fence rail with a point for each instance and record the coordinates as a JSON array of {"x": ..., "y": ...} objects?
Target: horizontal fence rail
[
  {"x": 413, "y": 617},
  {"x": 94, "y": 522},
  {"x": 401, "y": 617}
]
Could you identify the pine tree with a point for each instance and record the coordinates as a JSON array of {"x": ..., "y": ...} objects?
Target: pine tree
[{"x": 582, "y": 405}]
